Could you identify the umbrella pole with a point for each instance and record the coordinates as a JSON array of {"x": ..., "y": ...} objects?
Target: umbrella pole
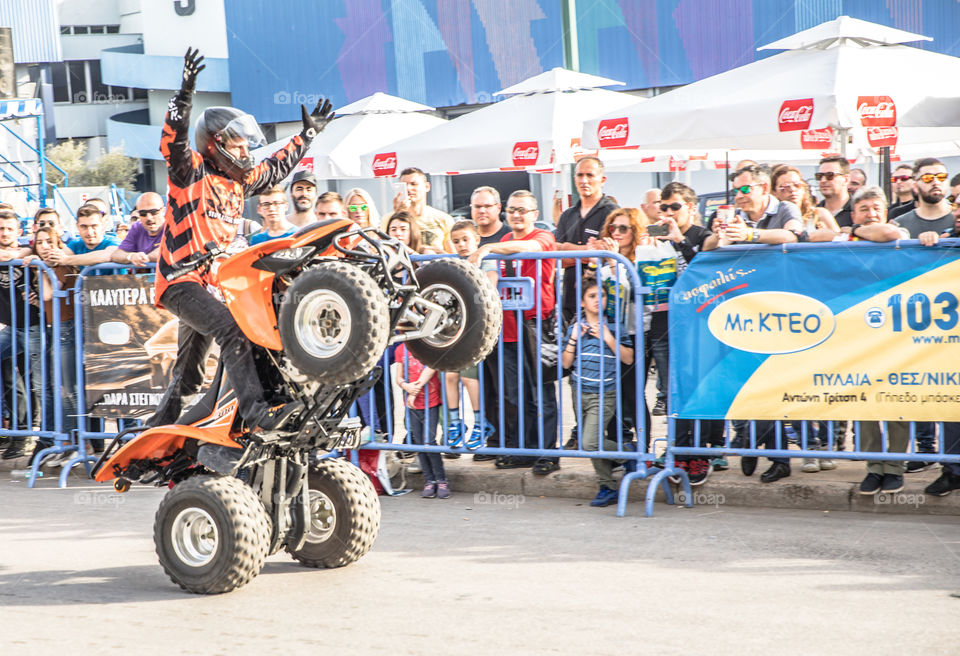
[
  {"x": 726, "y": 177},
  {"x": 885, "y": 172}
]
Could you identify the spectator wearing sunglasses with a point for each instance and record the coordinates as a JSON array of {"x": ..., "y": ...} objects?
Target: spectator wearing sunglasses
[
  {"x": 833, "y": 177},
  {"x": 142, "y": 243},
  {"x": 904, "y": 191},
  {"x": 933, "y": 213},
  {"x": 361, "y": 209},
  {"x": 47, "y": 217}
]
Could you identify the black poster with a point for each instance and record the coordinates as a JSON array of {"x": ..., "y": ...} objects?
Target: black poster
[{"x": 129, "y": 346}]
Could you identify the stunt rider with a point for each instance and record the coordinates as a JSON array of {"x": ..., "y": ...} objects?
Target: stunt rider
[{"x": 206, "y": 192}]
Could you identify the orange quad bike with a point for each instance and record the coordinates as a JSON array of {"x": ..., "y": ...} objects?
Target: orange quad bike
[{"x": 320, "y": 308}]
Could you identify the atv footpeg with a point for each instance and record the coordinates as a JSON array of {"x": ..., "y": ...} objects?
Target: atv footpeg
[{"x": 350, "y": 429}]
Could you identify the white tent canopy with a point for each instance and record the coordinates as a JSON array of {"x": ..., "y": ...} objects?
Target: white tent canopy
[
  {"x": 360, "y": 126},
  {"x": 538, "y": 129},
  {"x": 847, "y": 86}
]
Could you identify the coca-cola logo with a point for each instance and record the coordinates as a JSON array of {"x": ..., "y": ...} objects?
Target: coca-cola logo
[
  {"x": 795, "y": 114},
  {"x": 525, "y": 153},
  {"x": 876, "y": 111},
  {"x": 677, "y": 164},
  {"x": 306, "y": 164},
  {"x": 385, "y": 164},
  {"x": 816, "y": 139},
  {"x": 883, "y": 136},
  {"x": 613, "y": 132}
]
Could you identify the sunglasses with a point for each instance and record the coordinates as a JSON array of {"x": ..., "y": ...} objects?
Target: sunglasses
[
  {"x": 745, "y": 189},
  {"x": 152, "y": 212},
  {"x": 616, "y": 227},
  {"x": 673, "y": 207},
  {"x": 357, "y": 208},
  {"x": 927, "y": 178},
  {"x": 899, "y": 178},
  {"x": 829, "y": 175}
]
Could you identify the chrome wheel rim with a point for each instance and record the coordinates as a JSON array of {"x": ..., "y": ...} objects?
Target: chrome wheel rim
[
  {"x": 323, "y": 517},
  {"x": 195, "y": 537},
  {"x": 451, "y": 328},
  {"x": 322, "y": 323}
]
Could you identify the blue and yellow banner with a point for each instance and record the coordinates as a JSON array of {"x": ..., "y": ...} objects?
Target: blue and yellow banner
[{"x": 829, "y": 331}]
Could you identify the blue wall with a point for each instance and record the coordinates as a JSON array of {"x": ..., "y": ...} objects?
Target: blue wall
[{"x": 449, "y": 52}]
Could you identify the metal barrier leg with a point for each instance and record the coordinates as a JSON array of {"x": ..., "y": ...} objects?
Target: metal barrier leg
[{"x": 659, "y": 477}]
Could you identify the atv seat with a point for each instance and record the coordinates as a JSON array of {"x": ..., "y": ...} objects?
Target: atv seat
[{"x": 204, "y": 407}]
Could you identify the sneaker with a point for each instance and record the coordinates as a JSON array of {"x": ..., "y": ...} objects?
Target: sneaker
[
  {"x": 430, "y": 490},
  {"x": 14, "y": 451},
  {"x": 513, "y": 462},
  {"x": 659, "y": 408},
  {"x": 479, "y": 435},
  {"x": 443, "y": 490},
  {"x": 544, "y": 466},
  {"x": 892, "y": 483},
  {"x": 810, "y": 466},
  {"x": 697, "y": 471},
  {"x": 605, "y": 497},
  {"x": 414, "y": 467},
  {"x": 915, "y": 466},
  {"x": 943, "y": 485},
  {"x": 720, "y": 464},
  {"x": 455, "y": 432},
  {"x": 791, "y": 433},
  {"x": 451, "y": 456},
  {"x": 871, "y": 484},
  {"x": 826, "y": 464},
  {"x": 483, "y": 457},
  {"x": 679, "y": 464}
]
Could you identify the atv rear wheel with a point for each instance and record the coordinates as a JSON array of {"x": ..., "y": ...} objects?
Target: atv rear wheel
[
  {"x": 211, "y": 534},
  {"x": 473, "y": 320},
  {"x": 344, "y": 515},
  {"x": 334, "y": 322}
]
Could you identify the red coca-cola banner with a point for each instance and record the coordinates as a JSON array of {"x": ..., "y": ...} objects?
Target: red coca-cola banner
[
  {"x": 525, "y": 153},
  {"x": 385, "y": 164},
  {"x": 816, "y": 139},
  {"x": 883, "y": 136},
  {"x": 876, "y": 111},
  {"x": 613, "y": 132},
  {"x": 795, "y": 114},
  {"x": 677, "y": 164}
]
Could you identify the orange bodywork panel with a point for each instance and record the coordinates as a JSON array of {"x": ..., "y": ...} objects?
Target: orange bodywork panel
[
  {"x": 160, "y": 442},
  {"x": 248, "y": 292}
]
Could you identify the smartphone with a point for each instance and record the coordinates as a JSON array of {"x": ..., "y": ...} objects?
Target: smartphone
[
  {"x": 658, "y": 230},
  {"x": 400, "y": 188}
]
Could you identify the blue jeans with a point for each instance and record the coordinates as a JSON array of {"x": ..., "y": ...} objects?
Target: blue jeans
[
  {"x": 13, "y": 342},
  {"x": 657, "y": 345},
  {"x": 422, "y": 429},
  {"x": 67, "y": 385}
]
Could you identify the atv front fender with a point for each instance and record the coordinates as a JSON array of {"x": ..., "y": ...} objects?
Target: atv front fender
[{"x": 159, "y": 442}]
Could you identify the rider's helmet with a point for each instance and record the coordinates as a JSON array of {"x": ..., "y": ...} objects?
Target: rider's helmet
[
  {"x": 219, "y": 128},
  {"x": 385, "y": 470}
]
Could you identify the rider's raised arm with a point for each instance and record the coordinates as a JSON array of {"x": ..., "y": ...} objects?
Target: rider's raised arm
[
  {"x": 279, "y": 165},
  {"x": 182, "y": 161}
]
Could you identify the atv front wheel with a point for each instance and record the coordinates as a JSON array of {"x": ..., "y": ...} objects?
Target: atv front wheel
[
  {"x": 473, "y": 320},
  {"x": 211, "y": 534},
  {"x": 344, "y": 515},
  {"x": 334, "y": 323}
]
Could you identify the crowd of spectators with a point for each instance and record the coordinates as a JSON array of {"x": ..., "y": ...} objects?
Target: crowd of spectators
[{"x": 599, "y": 346}]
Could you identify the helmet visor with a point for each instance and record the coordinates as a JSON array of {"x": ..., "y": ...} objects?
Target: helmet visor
[{"x": 242, "y": 129}]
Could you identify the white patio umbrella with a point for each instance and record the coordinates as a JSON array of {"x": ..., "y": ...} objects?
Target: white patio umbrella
[
  {"x": 360, "y": 126},
  {"x": 842, "y": 86},
  {"x": 538, "y": 129}
]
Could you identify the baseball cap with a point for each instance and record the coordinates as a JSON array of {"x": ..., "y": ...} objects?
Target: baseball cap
[{"x": 304, "y": 176}]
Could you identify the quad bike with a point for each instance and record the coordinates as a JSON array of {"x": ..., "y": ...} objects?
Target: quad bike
[{"x": 320, "y": 307}]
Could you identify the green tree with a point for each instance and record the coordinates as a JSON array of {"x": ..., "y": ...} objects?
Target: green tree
[{"x": 111, "y": 167}]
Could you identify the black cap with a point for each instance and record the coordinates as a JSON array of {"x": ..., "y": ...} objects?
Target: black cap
[{"x": 303, "y": 176}]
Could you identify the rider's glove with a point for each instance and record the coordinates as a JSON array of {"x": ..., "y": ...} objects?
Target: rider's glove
[
  {"x": 192, "y": 65},
  {"x": 315, "y": 122}
]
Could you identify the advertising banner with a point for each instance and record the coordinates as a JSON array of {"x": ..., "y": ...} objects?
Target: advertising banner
[
  {"x": 852, "y": 331},
  {"x": 129, "y": 346}
]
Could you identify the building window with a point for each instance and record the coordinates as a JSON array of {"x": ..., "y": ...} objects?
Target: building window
[
  {"x": 113, "y": 29},
  {"x": 77, "y": 76},
  {"x": 65, "y": 29},
  {"x": 97, "y": 29},
  {"x": 58, "y": 74},
  {"x": 80, "y": 29}
]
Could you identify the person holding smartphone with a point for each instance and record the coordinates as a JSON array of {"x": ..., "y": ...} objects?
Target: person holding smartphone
[{"x": 434, "y": 224}]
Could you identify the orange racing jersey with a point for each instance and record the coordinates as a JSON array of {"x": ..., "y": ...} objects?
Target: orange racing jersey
[{"x": 203, "y": 204}]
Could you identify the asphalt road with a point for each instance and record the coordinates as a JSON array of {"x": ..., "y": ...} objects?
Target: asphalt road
[{"x": 494, "y": 575}]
